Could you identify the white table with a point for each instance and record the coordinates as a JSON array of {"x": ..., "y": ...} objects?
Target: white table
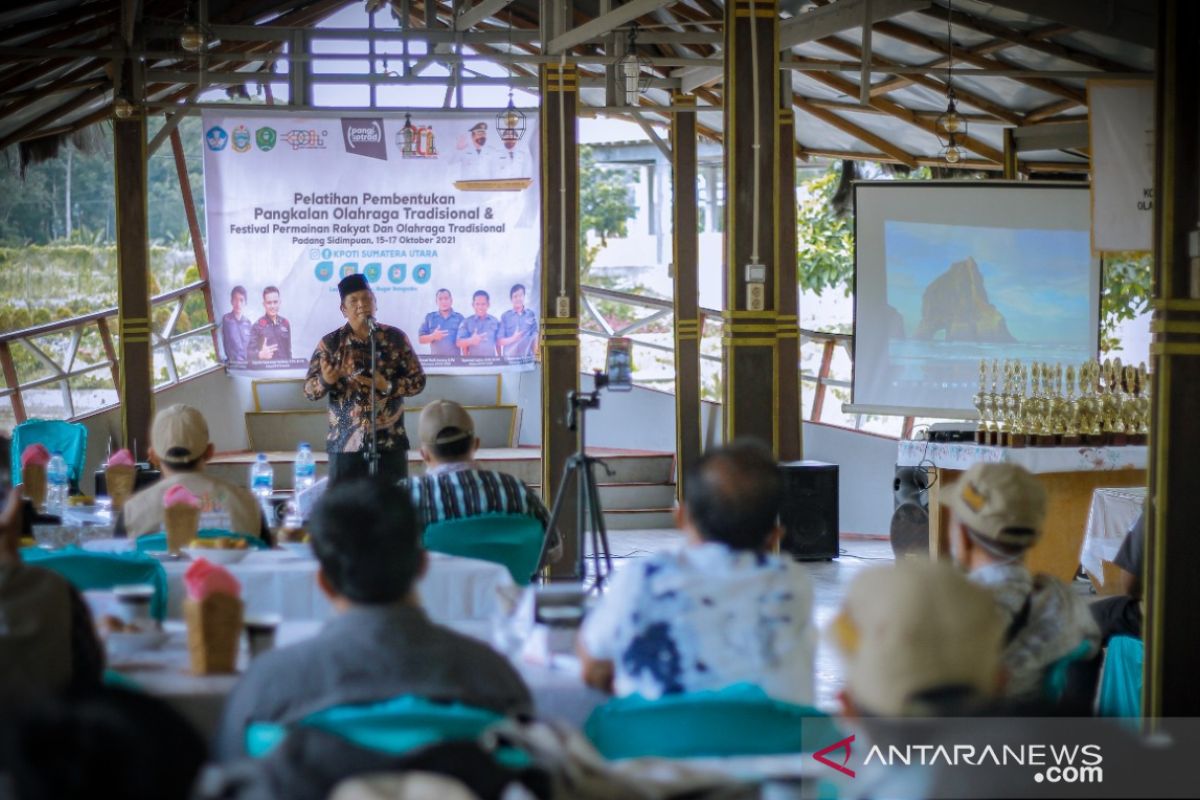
[
  {"x": 558, "y": 691},
  {"x": 1110, "y": 517},
  {"x": 1068, "y": 474},
  {"x": 279, "y": 582}
]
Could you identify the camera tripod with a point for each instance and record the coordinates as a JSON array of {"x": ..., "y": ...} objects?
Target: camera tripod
[{"x": 589, "y": 516}]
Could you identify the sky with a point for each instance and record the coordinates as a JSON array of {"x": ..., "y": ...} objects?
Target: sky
[{"x": 1038, "y": 279}]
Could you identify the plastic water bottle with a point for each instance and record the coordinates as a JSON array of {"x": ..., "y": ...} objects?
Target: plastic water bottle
[
  {"x": 262, "y": 480},
  {"x": 57, "y": 485},
  {"x": 304, "y": 470}
]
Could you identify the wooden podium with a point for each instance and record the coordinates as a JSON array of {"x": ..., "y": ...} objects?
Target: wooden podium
[{"x": 1069, "y": 474}]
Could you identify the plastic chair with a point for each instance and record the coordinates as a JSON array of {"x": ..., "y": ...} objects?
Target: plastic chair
[
  {"x": 392, "y": 726},
  {"x": 157, "y": 542},
  {"x": 1121, "y": 682},
  {"x": 87, "y": 570},
  {"x": 740, "y": 720},
  {"x": 1054, "y": 680},
  {"x": 514, "y": 540},
  {"x": 69, "y": 438}
]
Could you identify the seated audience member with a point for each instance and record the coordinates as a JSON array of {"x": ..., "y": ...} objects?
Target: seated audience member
[
  {"x": 47, "y": 641},
  {"x": 1121, "y": 615},
  {"x": 918, "y": 639},
  {"x": 454, "y": 486},
  {"x": 179, "y": 446},
  {"x": 720, "y": 611},
  {"x": 380, "y": 645},
  {"x": 110, "y": 743},
  {"x": 996, "y": 515}
]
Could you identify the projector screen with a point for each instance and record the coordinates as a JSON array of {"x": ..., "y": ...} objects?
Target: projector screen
[{"x": 949, "y": 273}]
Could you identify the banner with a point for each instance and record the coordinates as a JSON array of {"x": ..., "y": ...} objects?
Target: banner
[
  {"x": 1121, "y": 127},
  {"x": 436, "y": 210}
]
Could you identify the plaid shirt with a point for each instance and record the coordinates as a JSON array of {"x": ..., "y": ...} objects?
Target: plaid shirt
[
  {"x": 456, "y": 491},
  {"x": 350, "y": 404}
]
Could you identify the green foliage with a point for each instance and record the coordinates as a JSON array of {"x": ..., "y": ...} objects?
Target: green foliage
[
  {"x": 604, "y": 205},
  {"x": 1127, "y": 280},
  {"x": 825, "y": 251}
]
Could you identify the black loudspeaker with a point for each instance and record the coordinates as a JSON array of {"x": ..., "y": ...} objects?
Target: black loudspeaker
[
  {"x": 910, "y": 515},
  {"x": 809, "y": 512}
]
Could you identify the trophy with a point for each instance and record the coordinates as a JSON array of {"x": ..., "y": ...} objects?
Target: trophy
[
  {"x": 1016, "y": 429},
  {"x": 994, "y": 407},
  {"x": 1143, "y": 403},
  {"x": 1130, "y": 411},
  {"x": 1110, "y": 410},
  {"x": 1089, "y": 403},
  {"x": 980, "y": 403},
  {"x": 1071, "y": 415}
]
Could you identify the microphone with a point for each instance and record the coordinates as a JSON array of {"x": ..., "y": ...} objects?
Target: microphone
[{"x": 372, "y": 325}]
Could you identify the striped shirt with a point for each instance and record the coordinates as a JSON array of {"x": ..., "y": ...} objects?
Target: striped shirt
[{"x": 456, "y": 491}]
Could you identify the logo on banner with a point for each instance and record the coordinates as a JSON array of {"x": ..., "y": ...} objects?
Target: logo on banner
[
  {"x": 324, "y": 270},
  {"x": 364, "y": 137},
  {"x": 241, "y": 139},
  {"x": 373, "y": 271},
  {"x": 265, "y": 137},
  {"x": 416, "y": 141},
  {"x": 306, "y": 140},
  {"x": 349, "y": 268},
  {"x": 216, "y": 138},
  {"x": 421, "y": 273}
]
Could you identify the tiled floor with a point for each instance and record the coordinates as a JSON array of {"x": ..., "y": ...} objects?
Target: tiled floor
[{"x": 830, "y": 579}]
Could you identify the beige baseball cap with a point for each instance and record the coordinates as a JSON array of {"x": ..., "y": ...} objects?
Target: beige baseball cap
[
  {"x": 179, "y": 435},
  {"x": 914, "y": 627},
  {"x": 440, "y": 415},
  {"x": 1003, "y": 503}
]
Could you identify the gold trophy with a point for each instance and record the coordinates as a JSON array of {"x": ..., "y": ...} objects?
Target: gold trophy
[
  {"x": 995, "y": 406},
  {"x": 1016, "y": 433},
  {"x": 1071, "y": 413},
  {"x": 1143, "y": 403},
  {"x": 1089, "y": 403},
  {"x": 1109, "y": 405},
  {"x": 980, "y": 403}
]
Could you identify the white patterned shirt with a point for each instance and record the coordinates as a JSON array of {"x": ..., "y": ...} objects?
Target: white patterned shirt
[{"x": 704, "y": 618}]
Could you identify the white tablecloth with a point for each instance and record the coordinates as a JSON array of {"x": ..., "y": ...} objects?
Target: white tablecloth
[
  {"x": 558, "y": 691},
  {"x": 960, "y": 455},
  {"x": 279, "y": 582},
  {"x": 1110, "y": 517}
]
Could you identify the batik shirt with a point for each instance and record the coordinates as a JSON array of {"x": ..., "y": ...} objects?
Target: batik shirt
[
  {"x": 488, "y": 327},
  {"x": 1058, "y": 622},
  {"x": 457, "y": 491},
  {"x": 707, "y": 617},
  {"x": 435, "y": 321},
  {"x": 349, "y": 403},
  {"x": 526, "y": 323}
]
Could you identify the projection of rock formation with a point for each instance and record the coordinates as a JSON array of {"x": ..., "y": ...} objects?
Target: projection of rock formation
[{"x": 956, "y": 305}]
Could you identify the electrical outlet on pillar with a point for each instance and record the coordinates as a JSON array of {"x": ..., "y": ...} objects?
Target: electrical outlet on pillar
[
  {"x": 756, "y": 296},
  {"x": 562, "y": 307}
]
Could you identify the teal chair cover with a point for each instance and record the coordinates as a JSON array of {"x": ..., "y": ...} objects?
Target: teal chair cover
[
  {"x": 68, "y": 438},
  {"x": 1054, "y": 681},
  {"x": 514, "y": 540},
  {"x": 740, "y": 720},
  {"x": 392, "y": 726},
  {"x": 87, "y": 570},
  {"x": 157, "y": 542},
  {"x": 1121, "y": 682}
]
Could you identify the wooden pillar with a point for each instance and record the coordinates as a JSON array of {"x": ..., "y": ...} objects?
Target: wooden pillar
[
  {"x": 1011, "y": 165},
  {"x": 135, "y": 353},
  {"x": 1172, "y": 625},
  {"x": 560, "y": 291},
  {"x": 751, "y": 385},
  {"x": 790, "y": 445},
  {"x": 689, "y": 441}
]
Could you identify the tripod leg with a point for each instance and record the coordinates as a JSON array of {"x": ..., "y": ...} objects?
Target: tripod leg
[
  {"x": 556, "y": 514},
  {"x": 599, "y": 530}
]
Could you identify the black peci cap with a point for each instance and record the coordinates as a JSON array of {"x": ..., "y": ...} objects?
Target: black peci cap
[{"x": 351, "y": 284}]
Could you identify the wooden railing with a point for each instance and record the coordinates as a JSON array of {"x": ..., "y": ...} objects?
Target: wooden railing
[{"x": 69, "y": 363}]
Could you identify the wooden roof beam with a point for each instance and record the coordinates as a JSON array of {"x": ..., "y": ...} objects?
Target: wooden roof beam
[
  {"x": 966, "y": 96},
  {"x": 603, "y": 24},
  {"x": 1050, "y": 110},
  {"x": 862, "y": 134},
  {"x": 918, "y": 39},
  {"x": 907, "y": 115},
  {"x": 1034, "y": 40}
]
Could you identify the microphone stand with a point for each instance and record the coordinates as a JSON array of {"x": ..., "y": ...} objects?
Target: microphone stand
[{"x": 373, "y": 445}]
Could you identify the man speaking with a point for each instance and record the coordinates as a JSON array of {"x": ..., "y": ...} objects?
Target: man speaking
[{"x": 341, "y": 368}]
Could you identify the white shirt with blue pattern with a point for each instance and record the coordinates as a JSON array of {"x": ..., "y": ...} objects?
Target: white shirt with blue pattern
[{"x": 706, "y": 617}]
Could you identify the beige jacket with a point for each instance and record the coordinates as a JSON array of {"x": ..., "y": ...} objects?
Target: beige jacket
[{"x": 222, "y": 505}]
